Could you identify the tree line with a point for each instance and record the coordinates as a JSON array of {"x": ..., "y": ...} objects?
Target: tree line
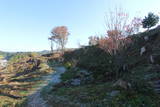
[{"x": 118, "y": 29}]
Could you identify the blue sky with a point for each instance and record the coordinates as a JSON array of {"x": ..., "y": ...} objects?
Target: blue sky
[{"x": 25, "y": 25}]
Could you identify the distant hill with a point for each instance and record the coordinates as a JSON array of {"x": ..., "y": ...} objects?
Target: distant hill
[
  {"x": 8, "y": 55},
  {"x": 44, "y": 52},
  {"x": 54, "y": 51}
]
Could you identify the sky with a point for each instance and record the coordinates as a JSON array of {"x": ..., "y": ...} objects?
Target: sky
[{"x": 25, "y": 25}]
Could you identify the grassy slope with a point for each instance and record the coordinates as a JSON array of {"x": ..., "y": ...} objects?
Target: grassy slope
[
  {"x": 140, "y": 73},
  {"x": 24, "y": 76}
]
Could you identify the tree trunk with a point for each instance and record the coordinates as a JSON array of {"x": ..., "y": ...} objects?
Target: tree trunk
[{"x": 51, "y": 46}]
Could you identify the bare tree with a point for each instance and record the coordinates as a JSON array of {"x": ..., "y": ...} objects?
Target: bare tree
[
  {"x": 93, "y": 40},
  {"x": 59, "y": 36},
  {"x": 116, "y": 20},
  {"x": 50, "y": 38},
  {"x": 118, "y": 28}
]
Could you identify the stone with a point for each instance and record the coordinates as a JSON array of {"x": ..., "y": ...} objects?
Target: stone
[
  {"x": 3, "y": 63},
  {"x": 84, "y": 72},
  {"x": 122, "y": 84},
  {"x": 146, "y": 38},
  {"x": 75, "y": 82},
  {"x": 15, "y": 87},
  {"x": 143, "y": 50},
  {"x": 151, "y": 59},
  {"x": 4, "y": 80},
  {"x": 114, "y": 93},
  {"x": 11, "y": 92}
]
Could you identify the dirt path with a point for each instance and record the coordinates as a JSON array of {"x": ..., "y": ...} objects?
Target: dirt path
[{"x": 35, "y": 99}]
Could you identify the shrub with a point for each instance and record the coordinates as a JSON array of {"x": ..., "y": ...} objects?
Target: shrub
[
  {"x": 93, "y": 59},
  {"x": 68, "y": 65}
]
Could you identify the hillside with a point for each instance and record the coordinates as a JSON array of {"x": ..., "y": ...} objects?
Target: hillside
[
  {"x": 94, "y": 78},
  {"x": 20, "y": 78}
]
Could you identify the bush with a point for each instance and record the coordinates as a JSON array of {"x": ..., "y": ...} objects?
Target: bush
[
  {"x": 68, "y": 65},
  {"x": 93, "y": 59}
]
